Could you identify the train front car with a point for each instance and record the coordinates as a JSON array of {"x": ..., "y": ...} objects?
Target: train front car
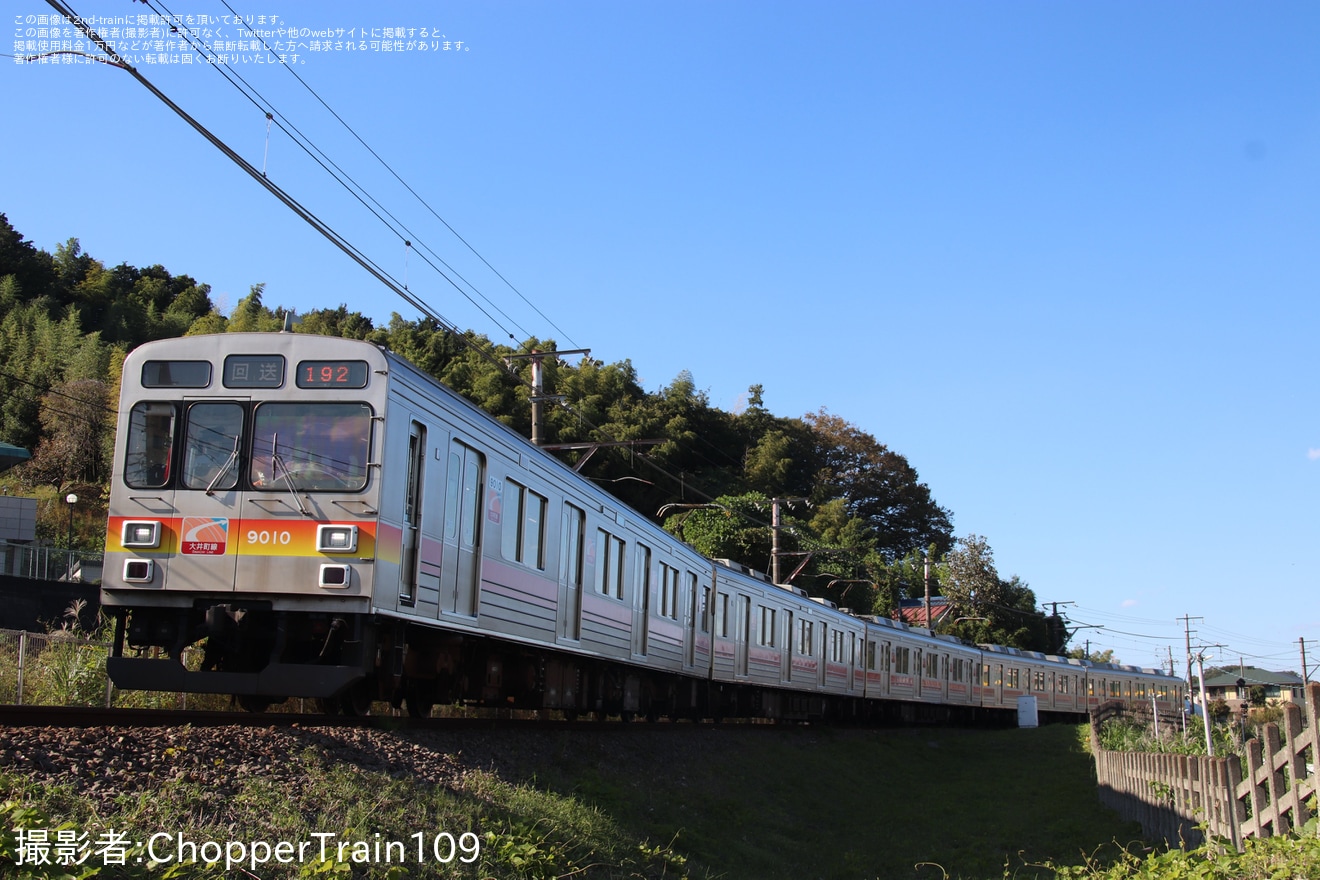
[{"x": 243, "y": 518}]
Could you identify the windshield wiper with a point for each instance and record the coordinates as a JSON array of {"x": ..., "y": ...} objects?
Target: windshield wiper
[
  {"x": 233, "y": 457},
  {"x": 280, "y": 469}
]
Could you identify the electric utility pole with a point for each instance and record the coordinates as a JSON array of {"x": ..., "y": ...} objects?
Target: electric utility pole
[{"x": 1187, "y": 629}]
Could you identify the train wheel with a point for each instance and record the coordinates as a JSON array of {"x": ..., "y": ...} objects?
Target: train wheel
[
  {"x": 254, "y": 703},
  {"x": 420, "y": 698},
  {"x": 356, "y": 699},
  {"x": 327, "y": 706}
]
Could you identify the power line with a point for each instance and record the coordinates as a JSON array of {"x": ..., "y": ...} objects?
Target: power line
[
  {"x": 342, "y": 177},
  {"x": 412, "y": 191}
]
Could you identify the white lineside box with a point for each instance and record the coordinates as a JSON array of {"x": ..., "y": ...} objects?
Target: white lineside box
[{"x": 1027, "y": 715}]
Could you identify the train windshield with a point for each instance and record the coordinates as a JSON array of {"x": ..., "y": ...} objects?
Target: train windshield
[
  {"x": 150, "y": 445},
  {"x": 210, "y": 446},
  {"x": 310, "y": 446}
]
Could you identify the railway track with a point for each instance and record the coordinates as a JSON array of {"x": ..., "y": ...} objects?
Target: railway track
[{"x": 82, "y": 716}]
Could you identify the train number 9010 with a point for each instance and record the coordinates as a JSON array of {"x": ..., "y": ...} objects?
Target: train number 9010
[{"x": 266, "y": 537}]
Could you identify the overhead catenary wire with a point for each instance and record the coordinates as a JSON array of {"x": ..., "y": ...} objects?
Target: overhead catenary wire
[
  {"x": 342, "y": 177},
  {"x": 286, "y": 199},
  {"x": 363, "y": 197},
  {"x": 311, "y": 219},
  {"x": 412, "y": 191}
]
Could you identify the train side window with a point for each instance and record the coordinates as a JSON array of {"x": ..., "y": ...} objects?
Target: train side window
[
  {"x": 766, "y": 635},
  {"x": 609, "y": 564},
  {"x": 523, "y": 538},
  {"x": 703, "y": 612},
  {"x": 806, "y": 637},
  {"x": 150, "y": 445},
  {"x": 669, "y": 587},
  {"x": 932, "y": 665},
  {"x": 870, "y": 655},
  {"x": 211, "y": 445},
  {"x": 901, "y": 660},
  {"x": 722, "y": 615}
]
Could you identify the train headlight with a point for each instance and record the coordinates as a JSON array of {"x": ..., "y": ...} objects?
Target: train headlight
[
  {"x": 143, "y": 534},
  {"x": 337, "y": 539},
  {"x": 138, "y": 571},
  {"x": 334, "y": 577}
]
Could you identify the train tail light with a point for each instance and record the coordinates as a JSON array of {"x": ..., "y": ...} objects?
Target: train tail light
[
  {"x": 139, "y": 571},
  {"x": 334, "y": 576},
  {"x": 141, "y": 534}
]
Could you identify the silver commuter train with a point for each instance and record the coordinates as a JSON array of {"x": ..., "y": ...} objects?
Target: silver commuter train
[{"x": 328, "y": 521}]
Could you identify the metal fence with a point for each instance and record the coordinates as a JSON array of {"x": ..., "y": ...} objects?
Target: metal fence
[
  {"x": 63, "y": 668},
  {"x": 54, "y": 669},
  {"x": 49, "y": 563}
]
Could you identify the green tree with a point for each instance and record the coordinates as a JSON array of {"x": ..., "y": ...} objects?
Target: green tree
[
  {"x": 76, "y": 418},
  {"x": 999, "y": 611},
  {"x": 32, "y": 270},
  {"x": 1105, "y": 656},
  {"x": 879, "y": 486},
  {"x": 336, "y": 322},
  {"x": 733, "y": 527},
  {"x": 250, "y": 316}
]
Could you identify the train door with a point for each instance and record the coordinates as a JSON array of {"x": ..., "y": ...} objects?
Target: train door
[
  {"x": 885, "y": 665},
  {"x": 822, "y": 667},
  {"x": 211, "y": 534},
  {"x": 461, "y": 565},
  {"x": 641, "y": 624},
  {"x": 412, "y": 516},
  {"x": 786, "y": 655},
  {"x": 693, "y": 615},
  {"x": 742, "y": 629},
  {"x": 572, "y": 531}
]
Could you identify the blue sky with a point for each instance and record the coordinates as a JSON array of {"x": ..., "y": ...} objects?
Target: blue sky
[{"x": 1060, "y": 255}]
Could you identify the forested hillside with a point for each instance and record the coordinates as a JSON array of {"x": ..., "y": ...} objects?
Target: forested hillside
[{"x": 861, "y": 518}]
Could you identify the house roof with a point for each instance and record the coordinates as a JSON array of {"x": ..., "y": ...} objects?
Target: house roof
[
  {"x": 1252, "y": 675},
  {"x": 913, "y": 611}
]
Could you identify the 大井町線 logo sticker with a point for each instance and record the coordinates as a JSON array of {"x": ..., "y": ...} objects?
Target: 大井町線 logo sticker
[{"x": 204, "y": 535}]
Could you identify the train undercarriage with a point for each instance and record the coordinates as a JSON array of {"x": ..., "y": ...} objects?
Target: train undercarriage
[{"x": 348, "y": 661}]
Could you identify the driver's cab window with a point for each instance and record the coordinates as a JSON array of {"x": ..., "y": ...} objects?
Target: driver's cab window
[
  {"x": 150, "y": 446},
  {"x": 211, "y": 446},
  {"x": 310, "y": 447}
]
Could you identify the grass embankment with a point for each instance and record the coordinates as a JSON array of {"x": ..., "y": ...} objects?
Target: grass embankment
[{"x": 797, "y": 803}]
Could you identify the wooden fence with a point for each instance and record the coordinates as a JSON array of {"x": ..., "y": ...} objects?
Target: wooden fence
[{"x": 1174, "y": 797}]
